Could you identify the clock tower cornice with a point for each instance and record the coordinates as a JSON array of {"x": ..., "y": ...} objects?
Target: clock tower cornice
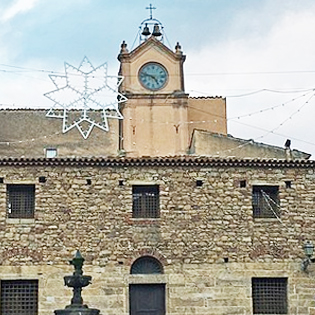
[{"x": 175, "y": 95}]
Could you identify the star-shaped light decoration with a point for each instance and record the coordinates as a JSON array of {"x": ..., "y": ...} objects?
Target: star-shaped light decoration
[{"x": 85, "y": 97}]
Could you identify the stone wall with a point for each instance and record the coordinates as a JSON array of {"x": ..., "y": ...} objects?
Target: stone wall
[
  {"x": 28, "y": 133},
  {"x": 203, "y": 289},
  {"x": 206, "y": 143},
  {"x": 199, "y": 227}
]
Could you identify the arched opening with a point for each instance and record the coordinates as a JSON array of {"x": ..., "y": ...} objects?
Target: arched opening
[
  {"x": 147, "y": 298},
  {"x": 146, "y": 265}
]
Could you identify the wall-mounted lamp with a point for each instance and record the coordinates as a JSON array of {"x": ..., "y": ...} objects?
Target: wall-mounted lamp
[{"x": 308, "y": 250}]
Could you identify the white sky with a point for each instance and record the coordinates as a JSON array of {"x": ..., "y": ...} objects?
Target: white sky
[{"x": 259, "y": 54}]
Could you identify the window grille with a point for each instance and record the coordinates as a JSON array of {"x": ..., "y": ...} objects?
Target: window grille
[
  {"x": 146, "y": 265},
  {"x": 265, "y": 200},
  {"x": 269, "y": 295},
  {"x": 20, "y": 201},
  {"x": 145, "y": 201},
  {"x": 19, "y": 297}
]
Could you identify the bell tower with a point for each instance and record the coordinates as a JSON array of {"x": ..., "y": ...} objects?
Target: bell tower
[{"x": 155, "y": 115}]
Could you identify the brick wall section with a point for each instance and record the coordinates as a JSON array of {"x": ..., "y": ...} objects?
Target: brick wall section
[{"x": 198, "y": 228}]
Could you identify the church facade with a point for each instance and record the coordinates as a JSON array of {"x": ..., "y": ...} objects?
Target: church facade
[{"x": 172, "y": 215}]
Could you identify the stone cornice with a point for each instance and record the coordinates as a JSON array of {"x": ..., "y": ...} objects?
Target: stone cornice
[{"x": 174, "y": 95}]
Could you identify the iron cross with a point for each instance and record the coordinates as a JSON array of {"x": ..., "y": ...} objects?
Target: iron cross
[{"x": 150, "y": 8}]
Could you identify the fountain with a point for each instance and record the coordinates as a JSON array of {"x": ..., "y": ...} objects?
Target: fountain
[{"x": 77, "y": 281}]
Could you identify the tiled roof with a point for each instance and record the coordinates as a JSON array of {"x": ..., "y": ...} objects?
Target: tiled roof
[
  {"x": 206, "y": 97},
  {"x": 157, "y": 161},
  {"x": 23, "y": 109}
]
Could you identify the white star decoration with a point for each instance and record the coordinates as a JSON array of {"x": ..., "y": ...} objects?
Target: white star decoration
[{"x": 85, "y": 97}]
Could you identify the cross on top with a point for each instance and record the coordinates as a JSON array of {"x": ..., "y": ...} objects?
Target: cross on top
[{"x": 150, "y": 8}]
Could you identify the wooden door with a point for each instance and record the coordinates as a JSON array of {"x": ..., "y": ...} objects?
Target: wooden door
[{"x": 147, "y": 299}]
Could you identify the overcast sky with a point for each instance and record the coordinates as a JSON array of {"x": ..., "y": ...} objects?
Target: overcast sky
[{"x": 259, "y": 54}]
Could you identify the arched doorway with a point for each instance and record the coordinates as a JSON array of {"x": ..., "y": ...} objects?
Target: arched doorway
[{"x": 148, "y": 298}]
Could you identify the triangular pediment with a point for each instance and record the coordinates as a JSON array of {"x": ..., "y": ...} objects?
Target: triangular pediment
[
  {"x": 151, "y": 51},
  {"x": 153, "y": 43}
]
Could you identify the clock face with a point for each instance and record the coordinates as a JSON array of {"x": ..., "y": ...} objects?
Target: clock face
[{"x": 153, "y": 76}]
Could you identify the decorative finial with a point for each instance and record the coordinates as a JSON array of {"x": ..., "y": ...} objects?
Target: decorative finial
[
  {"x": 178, "y": 48},
  {"x": 77, "y": 262},
  {"x": 123, "y": 47},
  {"x": 150, "y": 8}
]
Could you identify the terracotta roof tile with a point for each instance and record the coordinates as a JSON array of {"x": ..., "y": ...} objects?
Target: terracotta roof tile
[
  {"x": 206, "y": 97},
  {"x": 157, "y": 161}
]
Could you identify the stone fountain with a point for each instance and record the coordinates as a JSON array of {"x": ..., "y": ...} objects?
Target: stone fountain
[{"x": 77, "y": 281}]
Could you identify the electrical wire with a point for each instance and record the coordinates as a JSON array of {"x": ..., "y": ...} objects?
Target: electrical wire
[
  {"x": 251, "y": 73},
  {"x": 275, "y": 133},
  {"x": 186, "y": 74},
  {"x": 270, "y": 108},
  {"x": 27, "y": 69}
]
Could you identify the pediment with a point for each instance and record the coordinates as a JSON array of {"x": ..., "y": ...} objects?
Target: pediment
[
  {"x": 153, "y": 44},
  {"x": 151, "y": 50}
]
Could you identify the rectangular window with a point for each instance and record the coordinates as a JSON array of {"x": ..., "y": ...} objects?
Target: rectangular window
[
  {"x": 269, "y": 295},
  {"x": 265, "y": 200},
  {"x": 51, "y": 153},
  {"x": 20, "y": 201},
  {"x": 19, "y": 297},
  {"x": 145, "y": 201}
]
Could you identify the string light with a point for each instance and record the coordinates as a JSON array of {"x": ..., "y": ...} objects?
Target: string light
[
  {"x": 271, "y": 108},
  {"x": 29, "y": 140},
  {"x": 248, "y": 142},
  {"x": 206, "y": 94},
  {"x": 15, "y": 142},
  {"x": 23, "y": 70},
  {"x": 221, "y": 117}
]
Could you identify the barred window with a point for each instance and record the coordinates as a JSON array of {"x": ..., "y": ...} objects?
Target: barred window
[
  {"x": 20, "y": 201},
  {"x": 19, "y": 297},
  {"x": 269, "y": 295},
  {"x": 265, "y": 200},
  {"x": 145, "y": 201}
]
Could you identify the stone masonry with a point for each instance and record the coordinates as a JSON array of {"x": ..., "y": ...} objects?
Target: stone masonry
[{"x": 206, "y": 237}]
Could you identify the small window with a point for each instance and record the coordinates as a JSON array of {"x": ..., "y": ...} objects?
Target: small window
[
  {"x": 19, "y": 297},
  {"x": 20, "y": 201},
  {"x": 145, "y": 201},
  {"x": 51, "y": 153},
  {"x": 199, "y": 182},
  {"x": 265, "y": 201},
  {"x": 269, "y": 295},
  {"x": 42, "y": 179},
  {"x": 242, "y": 183}
]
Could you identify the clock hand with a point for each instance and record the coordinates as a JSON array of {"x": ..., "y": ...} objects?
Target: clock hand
[
  {"x": 151, "y": 76},
  {"x": 155, "y": 79}
]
